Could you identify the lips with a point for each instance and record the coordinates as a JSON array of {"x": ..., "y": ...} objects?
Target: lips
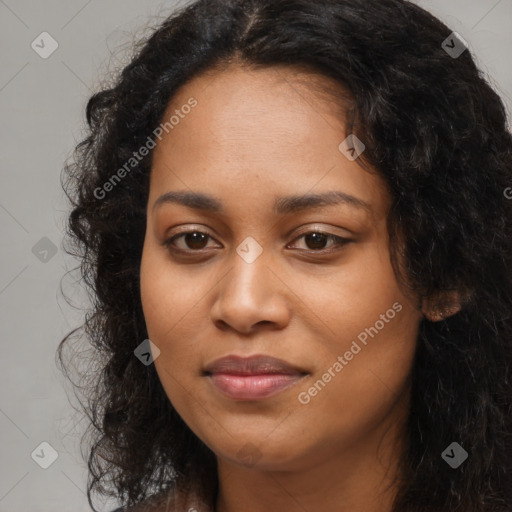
[
  {"x": 252, "y": 378},
  {"x": 253, "y": 365}
]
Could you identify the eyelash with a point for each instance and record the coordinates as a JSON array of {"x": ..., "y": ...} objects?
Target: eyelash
[{"x": 340, "y": 241}]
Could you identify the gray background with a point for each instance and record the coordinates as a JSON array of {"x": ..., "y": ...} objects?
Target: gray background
[{"x": 42, "y": 110}]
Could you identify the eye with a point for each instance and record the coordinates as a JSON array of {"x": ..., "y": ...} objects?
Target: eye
[
  {"x": 191, "y": 241},
  {"x": 317, "y": 240},
  {"x": 195, "y": 241}
]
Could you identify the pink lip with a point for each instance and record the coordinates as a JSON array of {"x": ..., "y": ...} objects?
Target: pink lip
[
  {"x": 252, "y": 378},
  {"x": 252, "y": 387}
]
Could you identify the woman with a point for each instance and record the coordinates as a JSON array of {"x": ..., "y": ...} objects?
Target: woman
[{"x": 292, "y": 217}]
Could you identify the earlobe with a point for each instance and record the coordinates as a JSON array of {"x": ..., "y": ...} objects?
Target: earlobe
[{"x": 441, "y": 307}]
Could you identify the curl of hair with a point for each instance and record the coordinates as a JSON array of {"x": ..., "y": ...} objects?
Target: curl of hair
[{"x": 434, "y": 130}]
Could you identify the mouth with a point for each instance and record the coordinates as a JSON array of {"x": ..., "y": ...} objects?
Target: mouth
[{"x": 252, "y": 378}]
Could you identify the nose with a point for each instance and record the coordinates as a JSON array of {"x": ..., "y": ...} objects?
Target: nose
[{"x": 250, "y": 298}]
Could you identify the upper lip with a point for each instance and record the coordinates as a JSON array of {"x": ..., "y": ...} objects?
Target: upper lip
[{"x": 253, "y": 365}]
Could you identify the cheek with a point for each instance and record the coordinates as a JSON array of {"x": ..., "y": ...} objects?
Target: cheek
[
  {"x": 353, "y": 296},
  {"x": 359, "y": 390},
  {"x": 174, "y": 316},
  {"x": 373, "y": 327},
  {"x": 165, "y": 307},
  {"x": 168, "y": 297}
]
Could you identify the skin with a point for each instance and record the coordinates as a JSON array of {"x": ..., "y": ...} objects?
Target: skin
[{"x": 254, "y": 136}]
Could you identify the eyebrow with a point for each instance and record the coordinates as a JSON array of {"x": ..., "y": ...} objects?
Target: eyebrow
[{"x": 282, "y": 206}]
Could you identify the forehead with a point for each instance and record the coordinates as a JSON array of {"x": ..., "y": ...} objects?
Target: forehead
[
  {"x": 259, "y": 130},
  {"x": 277, "y": 105}
]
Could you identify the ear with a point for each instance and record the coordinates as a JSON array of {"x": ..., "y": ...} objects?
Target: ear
[{"x": 441, "y": 306}]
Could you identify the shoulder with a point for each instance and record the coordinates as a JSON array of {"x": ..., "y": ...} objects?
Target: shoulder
[{"x": 173, "y": 501}]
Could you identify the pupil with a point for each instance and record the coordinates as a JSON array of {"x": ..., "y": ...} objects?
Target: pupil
[
  {"x": 318, "y": 240},
  {"x": 195, "y": 239}
]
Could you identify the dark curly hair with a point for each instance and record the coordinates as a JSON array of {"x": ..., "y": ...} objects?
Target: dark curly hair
[{"x": 434, "y": 130}]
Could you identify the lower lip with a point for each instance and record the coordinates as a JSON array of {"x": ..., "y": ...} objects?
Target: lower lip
[{"x": 252, "y": 387}]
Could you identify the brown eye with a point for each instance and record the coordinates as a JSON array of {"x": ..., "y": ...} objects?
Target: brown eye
[
  {"x": 191, "y": 241},
  {"x": 316, "y": 241},
  {"x": 195, "y": 240}
]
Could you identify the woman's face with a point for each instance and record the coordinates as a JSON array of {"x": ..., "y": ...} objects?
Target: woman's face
[{"x": 264, "y": 275}]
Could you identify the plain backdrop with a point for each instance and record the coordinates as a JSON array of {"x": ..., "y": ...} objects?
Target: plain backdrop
[{"x": 42, "y": 104}]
